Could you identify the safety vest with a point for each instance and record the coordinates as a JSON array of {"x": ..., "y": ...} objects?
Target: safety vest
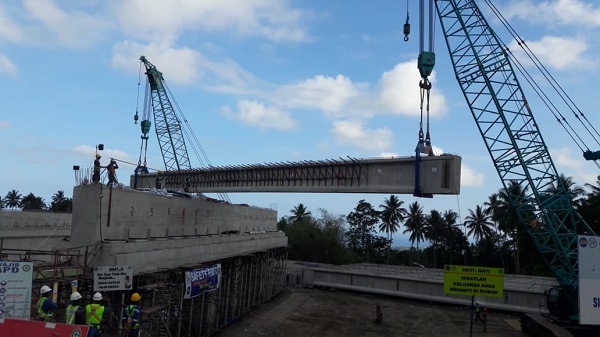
[
  {"x": 131, "y": 313},
  {"x": 44, "y": 315},
  {"x": 93, "y": 314},
  {"x": 70, "y": 313}
]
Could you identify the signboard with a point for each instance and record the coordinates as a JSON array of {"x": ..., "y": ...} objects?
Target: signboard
[
  {"x": 113, "y": 278},
  {"x": 473, "y": 281},
  {"x": 198, "y": 281},
  {"x": 15, "y": 289},
  {"x": 589, "y": 279},
  {"x": 19, "y": 328}
]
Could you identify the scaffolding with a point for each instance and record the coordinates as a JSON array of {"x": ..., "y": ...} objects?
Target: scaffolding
[{"x": 246, "y": 282}]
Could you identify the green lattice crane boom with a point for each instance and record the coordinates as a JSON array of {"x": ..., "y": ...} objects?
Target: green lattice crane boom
[
  {"x": 514, "y": 142},
  {"x": 167, "y": 125}
]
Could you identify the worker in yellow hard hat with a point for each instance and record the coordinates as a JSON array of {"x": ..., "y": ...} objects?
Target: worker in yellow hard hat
[{"x": 132, "y": 314}]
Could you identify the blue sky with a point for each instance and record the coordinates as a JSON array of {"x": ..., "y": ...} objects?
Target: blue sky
[{"x": 264, "y": 81}]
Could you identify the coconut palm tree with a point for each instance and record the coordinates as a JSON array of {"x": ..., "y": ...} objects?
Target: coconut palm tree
[
  {"x": 479, "y": 224},
  {"x": 300, "y": 214},
  {"x": 435, "y": 231},
  {"x": 13, "y": 199},
  {"x": 576, "y": 193},
  {"x": 30, "y": 201},
  {"x": 415, "y": 224},
  {"x": 392, "y": 216},
  {"x": 508, "y": 217},
  {"x": 595, "y": 189}
]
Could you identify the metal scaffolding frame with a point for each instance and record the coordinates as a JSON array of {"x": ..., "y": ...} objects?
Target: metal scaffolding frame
[{"x": 246, "y": 282}]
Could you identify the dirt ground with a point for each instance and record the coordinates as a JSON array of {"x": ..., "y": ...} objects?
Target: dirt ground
[{"x": 306, "y": 312}]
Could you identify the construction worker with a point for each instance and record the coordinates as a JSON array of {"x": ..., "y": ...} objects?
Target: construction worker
[
  {"x": 477, "y": 312},
  {"x": 131, "y": 316},
  {"x": 97, "y": 167},
  {"x": 45, "y": 306},
  {"x": 112, "y": 167},
  {"x": 93, "y": 315},
  {"x": 75, "y": 313}
]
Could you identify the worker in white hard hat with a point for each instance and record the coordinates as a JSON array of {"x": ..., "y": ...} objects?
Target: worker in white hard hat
[
  {"x": 45, "y": 305},
  {"x": 93, "y": 314},
  {"x": 75, "y": 313}
]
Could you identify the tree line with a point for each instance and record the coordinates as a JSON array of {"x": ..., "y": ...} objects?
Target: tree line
[
  {"x": 14, "y": 200},
  {"x": 490, "y": 235}
]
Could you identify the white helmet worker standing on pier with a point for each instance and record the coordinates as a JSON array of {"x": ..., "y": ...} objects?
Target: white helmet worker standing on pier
[
  {"x": 93, "y": 314},
  {"x": 45, "y": 306}
]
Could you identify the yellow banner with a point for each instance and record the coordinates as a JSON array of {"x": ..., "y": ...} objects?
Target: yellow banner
[{"x": 473, "y": 281}]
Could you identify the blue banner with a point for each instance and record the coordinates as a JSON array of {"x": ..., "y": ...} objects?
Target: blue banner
[{"x": 198, "y": 281}]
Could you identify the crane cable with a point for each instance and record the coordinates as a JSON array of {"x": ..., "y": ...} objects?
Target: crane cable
[
  {"x": 194, "y": 142},
  {"x": 143, "y": 148},
  {"x": 553, "y": 83}
]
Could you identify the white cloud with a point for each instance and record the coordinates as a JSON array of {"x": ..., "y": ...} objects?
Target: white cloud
[
  {"x": 186, "y": 66},
  {"x": 177, "y": 65},
  {"x": 546, "y": 51},
  {"x": 164, "y": 21},
  {"x": 6, "y": 66},
  {"x": 86, "y": 151},
  {"x": 470, "y": 177},
  {"x": 354, "y": 133},
  {"x": 570, "y": 162},
  {"x": 563, "y": 157},
  {"x": 11, "y": 30},
  {"x": 328, "y": 94},
  {"x": 389, "y": 155},
  {"x": 400, "y": 92},
  {"x": 71, "y": 28},
  {"x": 558, "y": 12},
  {"x": 264, "y": 117}
]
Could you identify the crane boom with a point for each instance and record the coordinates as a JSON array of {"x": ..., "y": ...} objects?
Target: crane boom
[
  {"x": 513, "y": 140},
  {"x": 168, "y": 126}
]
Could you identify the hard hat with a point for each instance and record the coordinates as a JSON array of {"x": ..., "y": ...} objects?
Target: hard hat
[
  {"x": 75, "y": 296},
  {"x": 98, "y": 155},
  {"x": 45, "y": 289},
  {"x": 135, "y": 297},
  {"x": 97, "y": 297}
]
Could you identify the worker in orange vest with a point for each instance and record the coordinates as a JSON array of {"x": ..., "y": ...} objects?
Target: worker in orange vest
[{"x": 93, "y": 315}]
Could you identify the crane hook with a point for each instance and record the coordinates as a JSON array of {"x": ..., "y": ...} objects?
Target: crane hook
[{"x": 406, "y": 28}]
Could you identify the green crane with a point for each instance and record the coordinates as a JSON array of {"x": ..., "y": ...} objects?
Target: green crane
[{"x": 506, "y": 123}]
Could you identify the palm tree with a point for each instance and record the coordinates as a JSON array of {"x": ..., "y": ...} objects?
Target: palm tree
[
  {"x": 300, "y": 214},
  {"x": 479, "y": 224},
  {"x": 453, "y": 231},
  {"x": 59, "y": 196},
  {"x": 13, "y": 199},
  {"x": 392, "y": 216},
  {"x": 435, "y": 231},
  {"x": 595, "y": 189},
  {"x": 30, "y": 201},
  {"x": 576, "y": 193},
  {"x": 415, "y": 224},
  {"x": 508, "y": 217}
]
